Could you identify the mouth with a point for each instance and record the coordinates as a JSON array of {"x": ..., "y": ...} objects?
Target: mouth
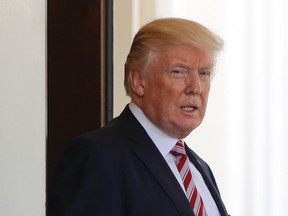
[{"x": 189, "y": 108}]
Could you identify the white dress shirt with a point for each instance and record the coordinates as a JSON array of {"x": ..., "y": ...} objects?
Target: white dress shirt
[{"x": 165, "y": 144}]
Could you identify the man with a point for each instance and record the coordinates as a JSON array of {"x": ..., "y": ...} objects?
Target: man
[{"x": 137, "y": 165}]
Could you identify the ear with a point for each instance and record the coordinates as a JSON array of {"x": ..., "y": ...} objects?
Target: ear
[{"x": 136, "y": 81}]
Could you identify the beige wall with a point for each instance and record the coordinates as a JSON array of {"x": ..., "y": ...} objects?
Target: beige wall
[
  {"x": 122, "y": 40},
  {"x": 22, "y": 107},
  {"x": 129, "y": 15}
]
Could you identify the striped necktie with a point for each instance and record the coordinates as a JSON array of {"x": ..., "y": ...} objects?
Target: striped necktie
[{"x": 191, "y": 191}]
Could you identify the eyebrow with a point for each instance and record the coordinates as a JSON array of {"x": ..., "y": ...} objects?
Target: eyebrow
[{"x": 189, "y": 66}]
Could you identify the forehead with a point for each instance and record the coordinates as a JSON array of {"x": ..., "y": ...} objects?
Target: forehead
[{"x": 186, "y": 56}]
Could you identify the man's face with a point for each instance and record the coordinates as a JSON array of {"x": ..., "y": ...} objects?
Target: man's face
[{"x": 175, "y": 90}]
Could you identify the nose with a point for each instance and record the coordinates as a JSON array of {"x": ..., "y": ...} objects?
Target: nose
[{"x": 193, "y": 84}]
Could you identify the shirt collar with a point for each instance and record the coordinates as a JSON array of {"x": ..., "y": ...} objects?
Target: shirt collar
[{"x": 163, "y": 142}]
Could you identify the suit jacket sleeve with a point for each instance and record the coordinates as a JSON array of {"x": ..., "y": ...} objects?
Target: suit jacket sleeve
[{"x": 83, "y": 185}]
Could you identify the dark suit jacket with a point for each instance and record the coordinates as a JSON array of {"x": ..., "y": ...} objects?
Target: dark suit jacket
[{"x": 118, "y": 171}]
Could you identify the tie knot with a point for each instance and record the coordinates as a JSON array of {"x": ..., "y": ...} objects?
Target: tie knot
[{"x": 178, "y": 149}]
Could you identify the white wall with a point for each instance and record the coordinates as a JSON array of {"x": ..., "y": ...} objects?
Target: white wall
[{"x": 22, "y": 107}]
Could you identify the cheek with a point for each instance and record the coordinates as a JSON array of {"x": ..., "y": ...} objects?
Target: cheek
[
  {"x": 158, "y": 87},
  {"x": 205, "y": 96},
  {"x": 206, "y": 90}
]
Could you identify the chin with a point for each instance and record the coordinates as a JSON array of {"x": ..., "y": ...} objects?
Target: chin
[
  {"x": 189, "y": 126},
  {"x": 184, "y": 132},
  {"x": 183, "y": 135}
]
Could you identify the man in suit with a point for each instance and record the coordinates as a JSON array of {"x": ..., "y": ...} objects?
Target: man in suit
[{"x": 138, "y": 164}]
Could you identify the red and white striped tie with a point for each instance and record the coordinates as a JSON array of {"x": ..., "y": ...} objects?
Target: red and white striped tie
[{"x": 191, "y": 191}]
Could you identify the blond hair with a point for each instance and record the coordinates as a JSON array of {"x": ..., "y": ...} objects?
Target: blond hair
[{"x": 163, "y": 33}]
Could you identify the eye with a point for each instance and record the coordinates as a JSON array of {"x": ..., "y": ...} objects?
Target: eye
[
  {"x": 205, "y": 74},
  {"x": 178, "y": 73}
]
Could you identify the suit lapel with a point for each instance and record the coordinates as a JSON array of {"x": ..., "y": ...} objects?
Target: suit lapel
[
  {"x": 158, "y": 167},
  {"x": 208, "y": 178}
]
